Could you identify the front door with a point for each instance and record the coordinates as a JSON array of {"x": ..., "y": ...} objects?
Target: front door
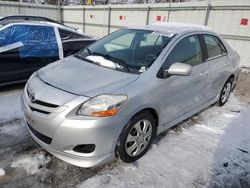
[{"x": 185, "y": 93}]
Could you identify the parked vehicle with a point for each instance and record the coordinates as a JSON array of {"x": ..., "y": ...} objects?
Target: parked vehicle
[
  {"x": 26, "y": 46},
  {"x": 30, "y": 18},
  {"x": 27, "y": 18},
  {"x": 117, "y": 94}
]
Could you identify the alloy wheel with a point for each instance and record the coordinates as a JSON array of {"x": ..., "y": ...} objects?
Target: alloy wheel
[{"x": 138, "y": 138}]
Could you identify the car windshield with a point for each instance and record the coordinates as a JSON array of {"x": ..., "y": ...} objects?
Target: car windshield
[{"x": 130, "y": 50}]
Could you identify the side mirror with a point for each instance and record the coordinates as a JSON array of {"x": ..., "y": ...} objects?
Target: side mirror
[{"x": 180, "y": 69}]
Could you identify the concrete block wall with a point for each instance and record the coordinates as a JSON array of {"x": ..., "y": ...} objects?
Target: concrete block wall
[
  {"x": 14, "y": 8},
  {"x": 229, "y": 18}
]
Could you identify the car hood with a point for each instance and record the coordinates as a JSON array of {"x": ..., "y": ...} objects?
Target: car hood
[{"x": 83, "y": 78}]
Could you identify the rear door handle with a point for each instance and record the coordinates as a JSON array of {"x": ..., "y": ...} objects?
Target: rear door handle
[{"x": 203, "y": 74}]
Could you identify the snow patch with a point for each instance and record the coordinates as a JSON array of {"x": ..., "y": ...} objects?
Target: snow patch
[
  {"x": 14, "y": 129},
  {"x": 245, "y": 69},
  {"x": 10, "y": 107},
  {"x": 215, "y": 130},
  {"x": 32, "y": 165},
  {"x": 182, "y": 25},
  {"x": 2, "y": 172},
  {"x": 102, "y": 61},
  {"x": 229, "y": 115}
]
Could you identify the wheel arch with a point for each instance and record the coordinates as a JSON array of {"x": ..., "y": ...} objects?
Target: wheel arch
[
  {"x": 231, "y": 77},
  {"x": 147, "y": 110},
  {"x": 153, "y": 112}
]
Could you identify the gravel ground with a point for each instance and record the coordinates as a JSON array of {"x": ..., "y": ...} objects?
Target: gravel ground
[
  {"x": 48, "y": 171},
  {"x": 242, "y": 89}
]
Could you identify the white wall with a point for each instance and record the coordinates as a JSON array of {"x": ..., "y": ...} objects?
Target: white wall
[
  {"x": 224, "y": 17},
  {"x": 14, "y": 8}
]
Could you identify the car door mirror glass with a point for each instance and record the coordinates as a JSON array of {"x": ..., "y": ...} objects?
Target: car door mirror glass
[{"x": 180, "y": 69}]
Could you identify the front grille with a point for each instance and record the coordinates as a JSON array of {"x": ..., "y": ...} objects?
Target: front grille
[
  {"x": 40, "y": 136},
  {"x": 42, "y": 103},
  {"x": 40, "y": 111}
]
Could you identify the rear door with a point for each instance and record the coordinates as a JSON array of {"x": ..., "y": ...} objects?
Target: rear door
[
  {"x": 185, "y": 93},
  {"x": 217, "y": 62},
  {"x": 26, "y": 48}
]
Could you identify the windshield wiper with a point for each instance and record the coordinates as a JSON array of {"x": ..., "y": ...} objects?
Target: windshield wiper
[
  {"x": 117, "y": 60},
  {"x": 77, "y": 55},
  {"x": 89, "y": 51}
]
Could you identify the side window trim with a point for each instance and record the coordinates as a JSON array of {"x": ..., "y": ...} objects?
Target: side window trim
[
  {"x": 203, "y": 48},
  {"x": 216, "y": 57},
  {"x": 59, "y": 43}
]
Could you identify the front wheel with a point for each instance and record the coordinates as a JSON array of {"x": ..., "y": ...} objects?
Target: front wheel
[
  {"x": 225, "y": 92},
  {"x": 136, "y": 137}
]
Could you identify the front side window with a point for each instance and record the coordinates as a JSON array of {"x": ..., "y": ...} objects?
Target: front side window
[
  {"x": 214, "y": 46},
  {"x": 127, "y": 49},
  {"x": 188, "y": 51},
  {"x": 30, "y": 40}
]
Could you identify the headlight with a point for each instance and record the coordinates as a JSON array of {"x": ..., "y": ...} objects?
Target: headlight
[{"x": 102, "y": 105}]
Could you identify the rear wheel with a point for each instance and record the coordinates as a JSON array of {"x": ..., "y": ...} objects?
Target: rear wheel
[
  {"x": 225, "y": 92},
  {"x": 136, "y": 137}
]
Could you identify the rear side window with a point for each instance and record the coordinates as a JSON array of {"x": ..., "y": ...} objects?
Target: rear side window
[
  {"x": 214, "y": 46},
  {"x": 188, "y": 51},
  {"x": 67, "y": 35}
]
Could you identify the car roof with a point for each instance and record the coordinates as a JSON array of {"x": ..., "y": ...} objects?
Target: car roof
[
  {"x": 21, "y": 18},
  {"x": 27, "y": 18},
  {"x": 173, "y": 28}
]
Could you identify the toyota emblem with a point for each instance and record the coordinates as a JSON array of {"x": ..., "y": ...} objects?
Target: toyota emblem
[{"x": 32, "y": 97}]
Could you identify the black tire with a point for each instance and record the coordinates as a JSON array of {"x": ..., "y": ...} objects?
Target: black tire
[
  {"x": 223, "y": 99},
  {"x": 122, "y": 143}
]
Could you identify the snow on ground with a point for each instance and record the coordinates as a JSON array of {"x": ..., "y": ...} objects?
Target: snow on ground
[
  {"x": 10, "y": 107},
  {"x": 16, "y": 128},
  {"x": 32, "y": 164},
  {"x": 245, "y": 69},
  {"x": 2, "y": 172},
  {"x": 203, "y": 155}
]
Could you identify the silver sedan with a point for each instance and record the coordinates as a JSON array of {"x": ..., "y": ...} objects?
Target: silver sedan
[{"x": 114, "y": 96}]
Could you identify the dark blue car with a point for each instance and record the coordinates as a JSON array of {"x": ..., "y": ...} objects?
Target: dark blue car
[{"x": 26, "y": 46}]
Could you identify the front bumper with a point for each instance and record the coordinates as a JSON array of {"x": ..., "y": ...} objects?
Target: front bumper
[
  {"x": 66, "y": 133},
  {"x": 76, "y": 160}
]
